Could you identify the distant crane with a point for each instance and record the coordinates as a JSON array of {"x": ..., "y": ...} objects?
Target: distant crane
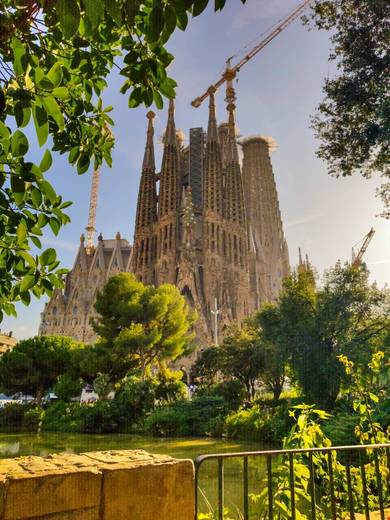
[
  {"x": 231, "y": 72},
  {"x": 357, "y": 258}
]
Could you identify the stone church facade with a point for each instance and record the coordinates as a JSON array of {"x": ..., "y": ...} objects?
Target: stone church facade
[{"x": 207, "y": 222}]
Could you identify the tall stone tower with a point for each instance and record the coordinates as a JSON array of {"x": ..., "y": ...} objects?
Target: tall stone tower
[
  {"x": 145, "y": 240},
  {"x": 268, "y": 252}
]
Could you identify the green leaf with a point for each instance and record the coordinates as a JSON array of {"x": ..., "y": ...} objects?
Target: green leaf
[
  {"x": 374, "y": 397},
  {"x": 131, "y": 8},
  {"x": 36, "y": 242},
  {"x": 21, "y": 232},
  {"x": 68, "y": 13},
  {"x": 55, "y": 226},
  {"x": 41, "y": 123},
  {"x": 20, "y": 58},
  {"x": 182, "y": 20},
  {"x": 54, "y": 111},
  {"x": 61, "y": 93},
  {"x": 48, "y": 191},
  {"x": 25, "y": 298},
  {"x": 83, "y": 163},
  {"x": 46, "y": 84},
  {"x": 94, "y": 10},
  {"x": 46, "y": 162},
  {"x": 199, "y": 6},
  {"x": 19, "y": 144},
  {"x": 27, "y": 282},
  {"x": 36, "y": 197},
  {"x": 170, "y": 19},
  {"x": 219, "y": 5},
  {"x": 18, "y": 186},
  {"x": 158, "y": 101},
  {"x": 4, "y": 132},
  {"x": 156, "y": 22},
  {"x": 28, "y": 258},
  {"x": 47, "y": 257},
  {"x": 55, "y": 74},
  {"x": 22, "y": 112},
  {"x": 73, "y": 154},
  {"x": 114, "y": 10},
  {"x": 167, "y": 88}
]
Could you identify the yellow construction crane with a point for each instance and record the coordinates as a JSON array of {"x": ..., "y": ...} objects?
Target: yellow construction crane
[
  {"x": 230, "y": 72},
  {"x": 357, "y": 258}
]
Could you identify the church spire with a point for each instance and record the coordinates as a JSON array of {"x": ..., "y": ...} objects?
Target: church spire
[
  {"x": 92, "y": 210},
  {"x": 169, "y": 196},
  {"x": 213, "y": 179},
  {"x": 232, "y": 152},
  {"x": 212, "y": 132},
  {"x": 148, "y": 163},
  {"x": 147, "y": 197},
  {"x": 170, "y": 132},
  {"x": 234, "y": 193}
]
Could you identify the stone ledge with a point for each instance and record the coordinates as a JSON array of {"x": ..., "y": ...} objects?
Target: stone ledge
[{"x": 128, "y": 484}]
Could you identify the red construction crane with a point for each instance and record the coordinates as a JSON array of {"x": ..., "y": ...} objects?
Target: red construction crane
[
  {"x": 231, "y": 72},
  {"x": 356, "y": 259}
]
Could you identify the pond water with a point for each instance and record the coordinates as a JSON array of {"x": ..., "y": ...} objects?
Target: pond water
[{"x": 17, "y": 444}]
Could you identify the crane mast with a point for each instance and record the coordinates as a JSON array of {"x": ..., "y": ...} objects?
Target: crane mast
[
  {"x": 231, "y": 72},
  {"x": 356, "y": 259}
]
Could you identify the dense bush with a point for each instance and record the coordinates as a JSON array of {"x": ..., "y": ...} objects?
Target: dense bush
[
  {"x": 195, "y": 417},
  {"x": 17, "y": 416},
  {"x": 232, "y": 392},
  {"x": 68, "y": 387},
  {"x": 259, "y": 423}
]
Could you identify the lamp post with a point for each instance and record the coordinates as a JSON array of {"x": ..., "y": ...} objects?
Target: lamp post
[{"x": 215, "y": 312}]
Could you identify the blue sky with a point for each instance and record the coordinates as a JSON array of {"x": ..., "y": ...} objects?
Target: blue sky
[{"x": 277, "y": 92}]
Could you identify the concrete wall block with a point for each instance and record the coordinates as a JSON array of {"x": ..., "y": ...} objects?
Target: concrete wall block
[
  {"x": 33, "y": 495},
  {"x": 167, "y": 492},
  {"x": 110, "y": 485}
]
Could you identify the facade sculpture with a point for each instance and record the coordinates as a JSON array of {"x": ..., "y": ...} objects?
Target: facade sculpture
[{"x": 208, "y": 223}]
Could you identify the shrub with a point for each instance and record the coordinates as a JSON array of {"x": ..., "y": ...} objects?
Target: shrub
[
  {"x": 186, "y": 417},
  {"x": 99, "y": 417},
  {"x": 68, "y": 387},
  {"x": 259, "y": 423},
  {"x": 32, "y": 418},
  {"x": 12, "y": 415},
  {"x": 63, "y": 417},
  {"x": 232, "y": 392}
]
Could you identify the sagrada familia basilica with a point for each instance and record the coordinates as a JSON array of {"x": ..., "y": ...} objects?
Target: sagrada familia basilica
[{"x": 208, "y": 222}]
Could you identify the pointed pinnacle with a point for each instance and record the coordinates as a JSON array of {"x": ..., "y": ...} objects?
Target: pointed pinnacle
[
  {"x": 148, "y": 163},
  {"x": 212, "y": 132},
  {"x": 170, "y": 132}
]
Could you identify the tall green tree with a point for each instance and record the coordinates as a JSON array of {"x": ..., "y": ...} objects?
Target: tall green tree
[
  {"x": 242, "y": 357},
  {"x": 142, "y": 325},
  {"x": 55, "y": 57},
  {"x": 347, "y": 316},
  {"x": 34, "y": 364},
  {"x": 353, "y": 120},
  {"x": 267, "y": 322}
]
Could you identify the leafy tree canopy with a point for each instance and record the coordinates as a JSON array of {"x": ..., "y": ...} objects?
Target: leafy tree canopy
[
  {"x": 353, "y": 120},
  {"x": 347, "y": 316},
  {"x": 34, "y": 364},
  {"x": 142, "y": 325},
  {"x": 55, "y": 56}
]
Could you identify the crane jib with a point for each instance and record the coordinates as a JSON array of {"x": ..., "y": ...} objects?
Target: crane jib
[{"x": 230, "y": 72}]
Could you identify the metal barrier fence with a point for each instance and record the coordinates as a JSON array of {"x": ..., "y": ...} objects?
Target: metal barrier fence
[{"x": 357, "y": 458}]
